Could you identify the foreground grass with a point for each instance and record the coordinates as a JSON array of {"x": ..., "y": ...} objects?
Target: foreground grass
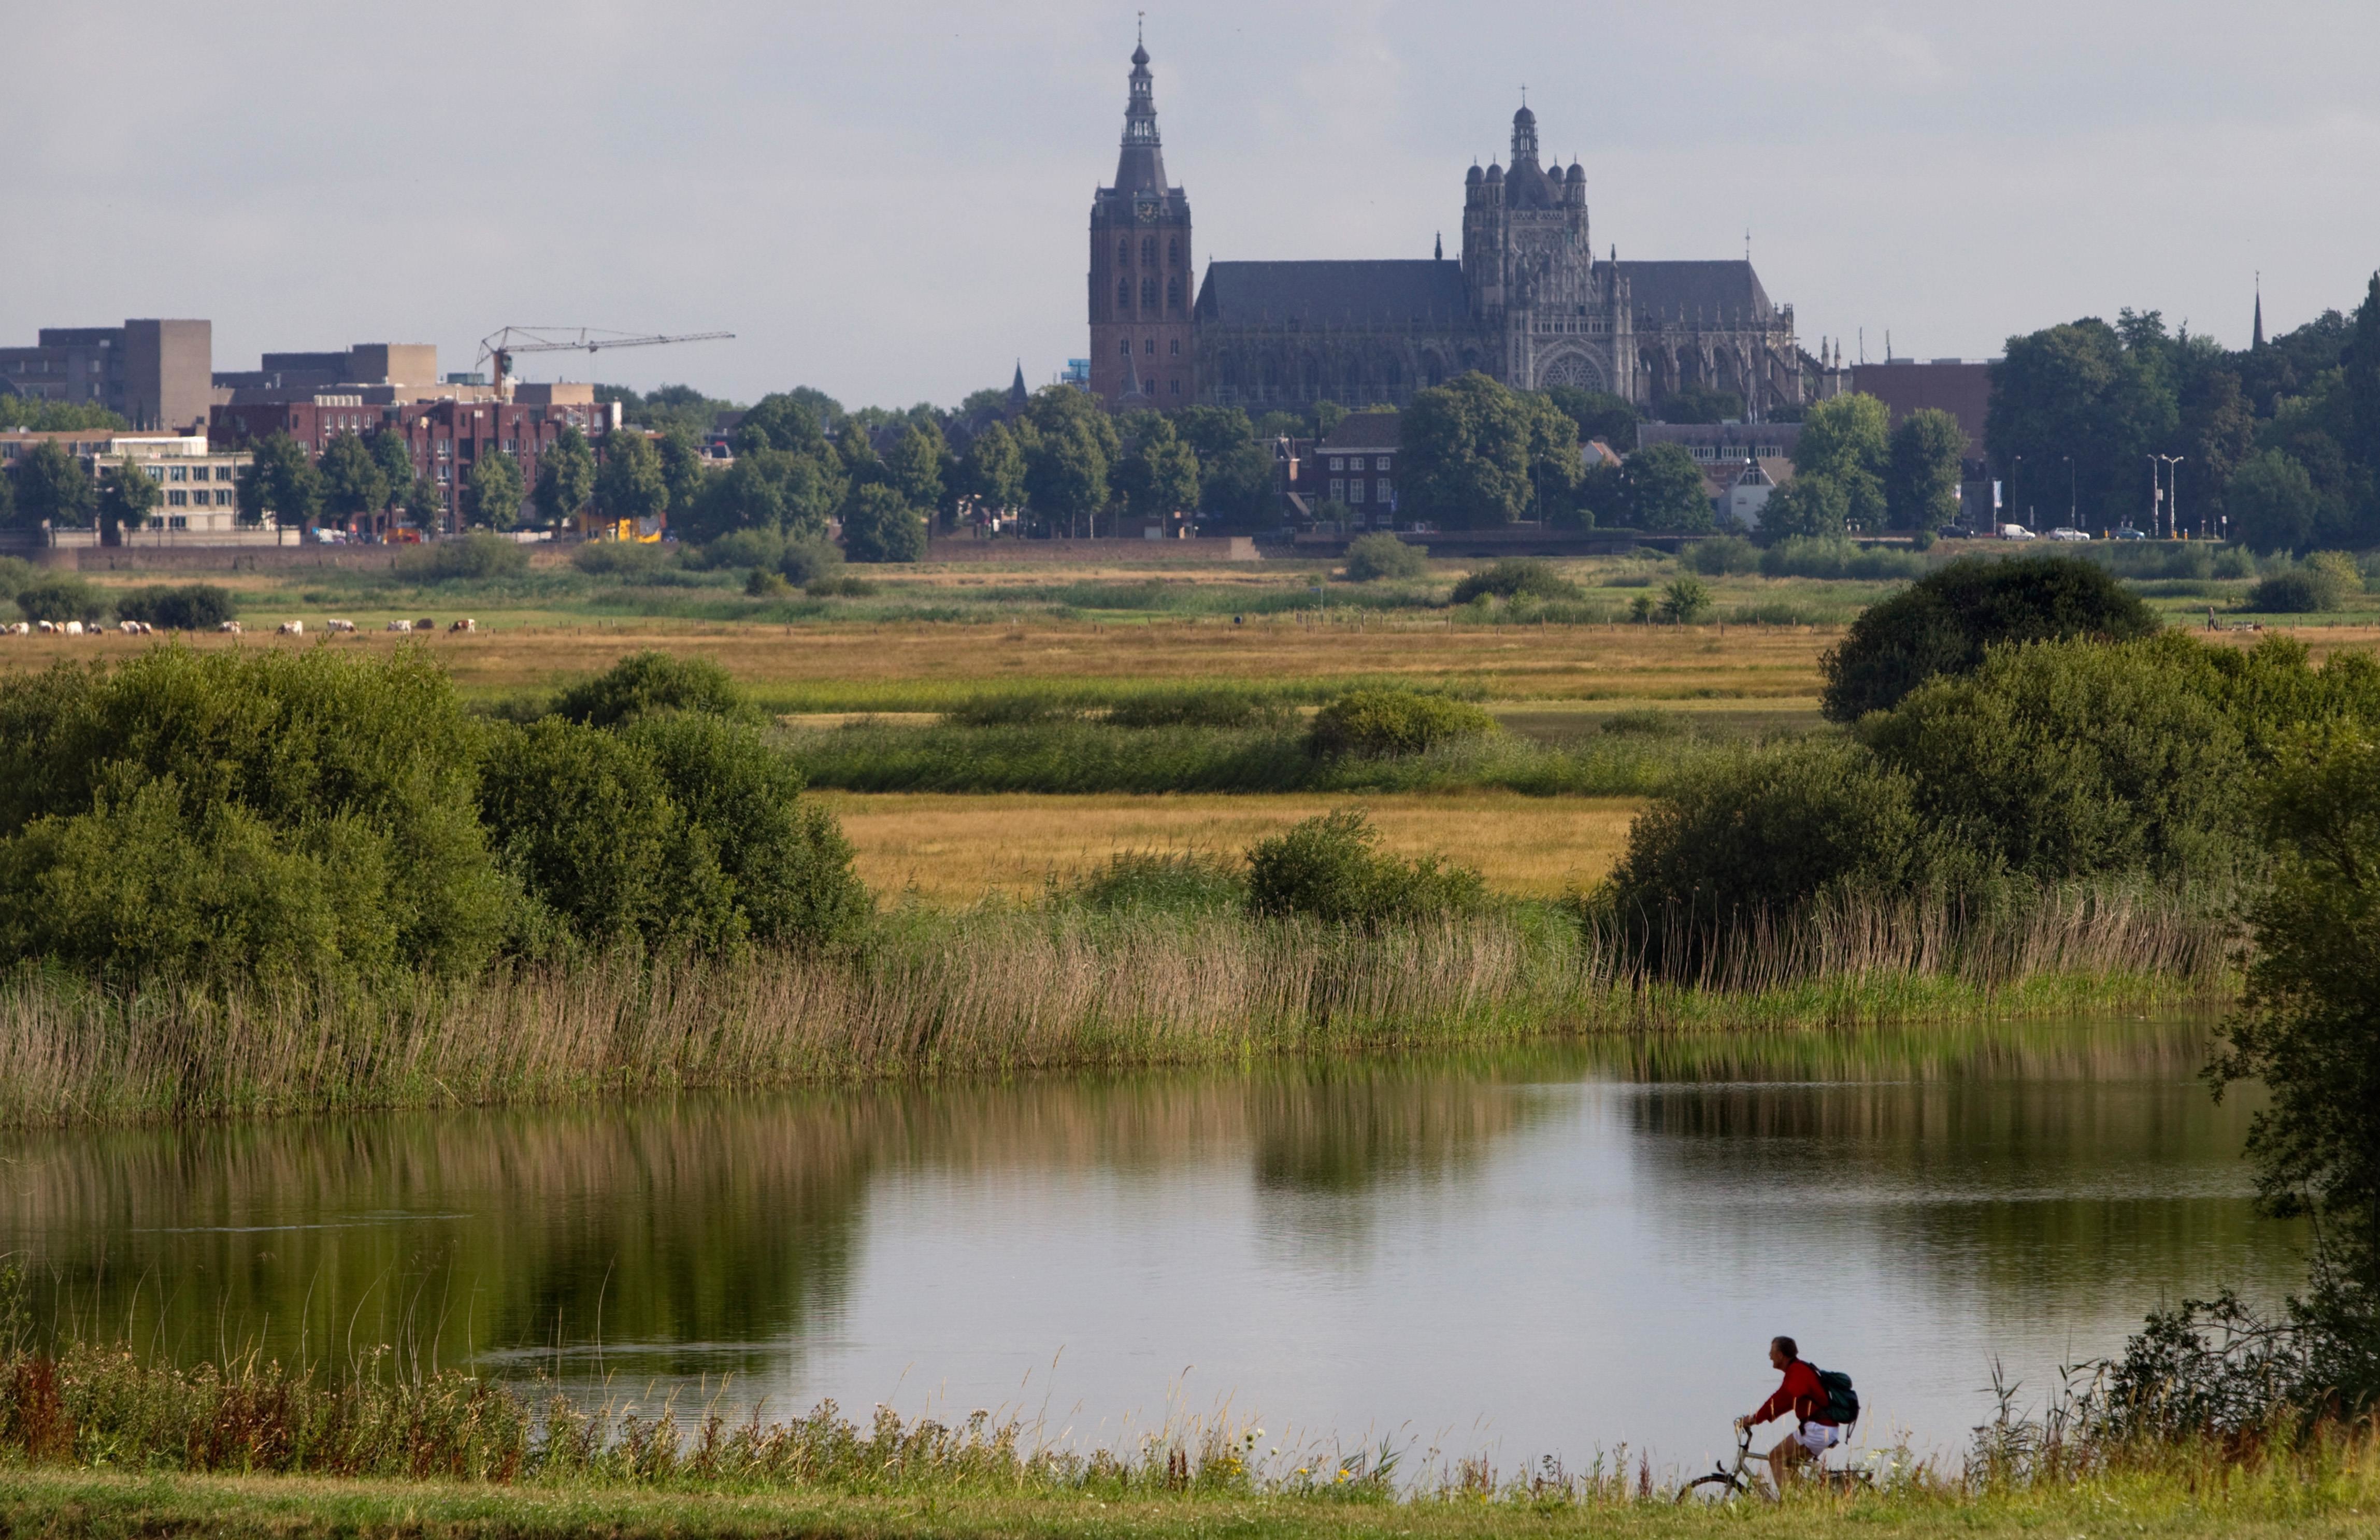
[{"x": 109, "y": 1503}]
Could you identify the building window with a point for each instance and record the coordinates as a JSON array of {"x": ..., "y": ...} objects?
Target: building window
[
  {"x": 1125, "y": 347},
  {"x": 1124, "y": 294},
  {"x": 1148, "y": 347},
  {"x": 223, "y": 500},
  {"x": 1148, "y": 250},
  {"x": 156, "y": 473},
  {"x": 1383, "y": 488},
  {"x": 1174, "y": 252},
  {"x": 1337, "y": 489},
  {"x": 1355, "y": 489},
  {"x": 1175, "y": 347},
  {"x": 1177, "y": 387},
  {"x": 223, "y": 473},
  {"x": 1148, "y": 293},
  {"x": 1355, "y": 464},
  {"x": 442, "y": 474},
  {"x": 178, "y": 473},
  {"x": 177, "y": 521},
  {"x": 177, "y": 499},
  {"x": 1339, "y": 462}
]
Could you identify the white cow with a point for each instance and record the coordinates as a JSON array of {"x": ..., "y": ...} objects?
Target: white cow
[
  {"x": 230, "y": 628},
  {"x": 467, "y": 623},
  {"x": 74, "y": 628},
  {"x": 338, "y": 625},
  {"x": 293, "y": 628},
  {"x": 400, "y": 626}
]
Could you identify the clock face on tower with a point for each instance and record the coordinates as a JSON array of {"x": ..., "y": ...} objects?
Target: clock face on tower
[{"x": 1148, "y": 210}]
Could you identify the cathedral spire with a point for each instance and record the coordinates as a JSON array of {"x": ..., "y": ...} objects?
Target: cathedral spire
[
  {"x": 1016, "y": 392},
  {"x": 2259, "y": 339},
  {"x": 1141, "y": 165},
  {"x": 1525, "y": 135}
]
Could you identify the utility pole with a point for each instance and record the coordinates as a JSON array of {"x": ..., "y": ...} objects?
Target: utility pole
[{"x": 2173, "y": 499}]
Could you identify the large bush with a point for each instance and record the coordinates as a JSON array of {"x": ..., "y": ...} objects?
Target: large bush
[
  {"x": 1943, "y": 624},
  {"x": 1838, "y": 557},
  {"x": 648, "y": 682},
  {"x": 2321, "y": 583},
  {"x": 475, "y": 555},
  {"x": 1720, "y": 556},
  {"x": 1516, "y": 578},
  {"x": 1330, "y": 868},
  {"x": 878, "y": 526},
  {"x": 1760, "y": 834},
  {"x": 243, "y": 813},
  {"x": 61, "y": 599},
  {"x": 1382, "y": 722},
  {"x": 2069, "y": 760},
  {"x": 1380, "y": 554},
  {"x": 187, "y": 607}
]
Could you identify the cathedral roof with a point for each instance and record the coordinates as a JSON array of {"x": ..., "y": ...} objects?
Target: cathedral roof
[
  {"x": 1717, "y": 291},
  {"x": 1326, "y": 293},
  {"x": 1527, "y": 187}
]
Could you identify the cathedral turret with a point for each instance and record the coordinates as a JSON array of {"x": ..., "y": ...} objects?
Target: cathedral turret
[
  {"x": 1141, "y": 278},
  {"x": 1141, "y": 165},
  {"x": 1524, "y": 138}
]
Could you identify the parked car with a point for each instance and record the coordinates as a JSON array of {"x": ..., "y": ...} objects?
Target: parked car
[
  {"x": 2067, "y": 532},
  {"x": 1954, "y": 532},
  {"x": 2015, "y": 532},
  {"x": 2127, "y": 533}
]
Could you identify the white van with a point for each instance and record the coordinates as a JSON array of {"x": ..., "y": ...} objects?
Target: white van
[{"x": 2015, "y": 532}]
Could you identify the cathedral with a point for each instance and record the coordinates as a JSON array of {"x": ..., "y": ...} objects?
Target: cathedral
[{"x": 1527, "y": 301}]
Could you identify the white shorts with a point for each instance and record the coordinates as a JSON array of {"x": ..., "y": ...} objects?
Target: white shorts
[{"x": 1817, "y": 1437}]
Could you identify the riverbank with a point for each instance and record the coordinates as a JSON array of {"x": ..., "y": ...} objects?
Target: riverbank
[
  {"x": 63, "y": 1502},
  {"x": 997, "y": 990}
]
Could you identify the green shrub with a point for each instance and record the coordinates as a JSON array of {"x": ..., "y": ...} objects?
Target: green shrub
[
  {"x": 1722, "y": 556},
  {"x": 475, "y": 555},
  {"x": 2292, "y": 593},
  {"x": 1684, "y": 602},
  {"x": 788, "y": 863},
  {"x": 1838, "y": 557},
  {"x": 760, "y": 583},
  {"x": 629, "y": 558},
  {"x": 188, "y": 607},
  {"x": 2235, "y": 562},
  {"x": 60, "y": 599},
  {"x": 1175, "y": 882},
  {"x": 1515, "y": 578},
  {"x": 1329, "y": 869},
  {"x": 1195, "y": 707},
  {"x": 739, "y": 548},
  {"x": 878, "y": 526},
  {"x": 1380, "y": 554},
  {"x": 839, "y": 588},
  {"x": 15, "y": 574},
  {"x": 1381, "y": 722},
  {"x": 1017, "y": 709},
  {"x": 649, "y": 682},
  {"x": 1762, "y": 832},
  {"x": 805, "y": 562},
  {"x": 1942, "y": 623},
  {"x": 239, "y": 813},
  {"x": 2069, "y": 760},
  {"x": 1646, "y": 722}
]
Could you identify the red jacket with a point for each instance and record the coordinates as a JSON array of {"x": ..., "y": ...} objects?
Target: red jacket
[{"x": 1801, "y": 1394}]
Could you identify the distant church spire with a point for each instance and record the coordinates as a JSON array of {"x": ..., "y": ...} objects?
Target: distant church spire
[
  {"x": 1438, "y": 251},
  {"x": 1016, "y": 393},
  {"x": 1141, "y": 165},
  {"x": 2259, "y": 339}
]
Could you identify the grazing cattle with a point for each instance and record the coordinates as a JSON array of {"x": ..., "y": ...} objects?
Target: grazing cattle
[
  {"x": 229, "y": 628},
  {"x": 21, "y": 629},
  {"x": 425, "y": 624},
  {"x": 467, "y": 623},
  {"x": 74, "y": 628},
  {"x": 338, "y": 625},
  {"x": 48, "y": 626},
  {"x": 293, "y": 628},
  {"x": 400, "y": 626},
  {"x": 133, "y": 628}
]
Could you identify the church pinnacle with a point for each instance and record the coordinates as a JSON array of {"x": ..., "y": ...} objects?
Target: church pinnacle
[
  {"x": 1141, "y": 165},
  {"x": 2258, "y": 340}
]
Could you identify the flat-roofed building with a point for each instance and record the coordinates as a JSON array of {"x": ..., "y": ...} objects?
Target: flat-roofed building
[
  {"x": 154, "y": 374},
  {"x": 198, "y": 480}
]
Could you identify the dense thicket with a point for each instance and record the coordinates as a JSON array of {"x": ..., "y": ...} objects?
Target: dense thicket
[
  {"x": 1942, "y": 623},
  {"x": 1331, "y": 868}
]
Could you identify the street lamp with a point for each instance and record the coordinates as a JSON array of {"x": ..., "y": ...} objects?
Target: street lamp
[
  {"x": 2156, "y": 493},
  {"x": 2173, "y": 494},
  {"x": 2072, "y": 502}
]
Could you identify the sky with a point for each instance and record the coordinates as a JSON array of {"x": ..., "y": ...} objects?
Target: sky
[{"x": 890, "y": 202}]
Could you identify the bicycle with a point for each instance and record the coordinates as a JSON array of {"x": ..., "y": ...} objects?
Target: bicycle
[{"x": 1725, "y": 1483}]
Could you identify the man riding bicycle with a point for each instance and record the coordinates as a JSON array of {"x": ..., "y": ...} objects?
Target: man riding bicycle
[{"x": 1805, "y": 1399}]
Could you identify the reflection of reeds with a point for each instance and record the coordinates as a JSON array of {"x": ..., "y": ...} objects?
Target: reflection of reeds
[{"x": 994, "y": 991}]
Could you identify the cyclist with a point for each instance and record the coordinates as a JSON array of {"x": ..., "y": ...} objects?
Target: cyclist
[{"x": 1805, "y": 1399}]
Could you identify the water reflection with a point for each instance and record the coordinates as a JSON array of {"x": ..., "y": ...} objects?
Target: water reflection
[{"x": 1465, "y": 1241}]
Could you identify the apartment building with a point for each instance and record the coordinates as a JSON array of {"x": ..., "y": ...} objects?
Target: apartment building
[{"x": 156, "y": 375}]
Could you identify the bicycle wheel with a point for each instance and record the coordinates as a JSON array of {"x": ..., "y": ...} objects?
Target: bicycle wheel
[{"x": 1717, "y": 1487}]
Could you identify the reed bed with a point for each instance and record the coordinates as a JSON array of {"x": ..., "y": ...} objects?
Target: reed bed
[{"x": 997, "y": 990}]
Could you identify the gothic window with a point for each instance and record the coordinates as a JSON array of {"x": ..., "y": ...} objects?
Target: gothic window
[
  {"x": 1125, "y": 347},
  {"x": 1124, "y": 294},
  {"x": 1175, "y": 347},
  {"x": 1174, "y": 294},
  {"x": 1396, "y": 374},
  {"x": 1177, "y": 387},
  {"x": 1124, "y": 252},
  {"x": 1174, "y": 252},
  {"x": 1148, "y": 250},
  {"x": 1148, "y": 292},
  {"x": 1148, "y": 345}
]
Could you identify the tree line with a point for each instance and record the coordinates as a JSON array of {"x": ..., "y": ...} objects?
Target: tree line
[{"x": 2278, "y": 444}]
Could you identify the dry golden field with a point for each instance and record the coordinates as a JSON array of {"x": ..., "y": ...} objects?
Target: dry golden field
[{"x": 956, "y": 849}]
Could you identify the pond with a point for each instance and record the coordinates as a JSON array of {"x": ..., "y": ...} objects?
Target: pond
[{"x": 1555, "y": 1249}]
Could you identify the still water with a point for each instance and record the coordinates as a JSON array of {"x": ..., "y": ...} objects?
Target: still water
[{"x": 1549, "y": 1250}]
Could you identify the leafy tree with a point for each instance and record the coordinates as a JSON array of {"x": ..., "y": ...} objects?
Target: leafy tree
[
  {"x": 995, "y": 469},
  {"x": 646, "y": 683},
  {"x": 185, "y": 607},
  {"x": 854, "y": 449},
  {"x": 1381, "y": 555},
  {"x": 1067, "y": 455},
  {"x": 7, "y": 500},
  {"x": 792, "y": 423},
  {"x": 494, "y": 490},
  {"x": 1846, "y": 440},
  {"x": 914, "y": 464},
  {"x": 1328, "y": 416},
  {"x": 1920, "y": 488},
  {"x": 50, "y": 484},
  {"x": 1515, "y": 578},
  {"x": 33, "y": 415},
  {"x": 1684, "y": 602},
  {"x": 766, "y": 489},
  {"x": 1943, "y": 624},
  {"x": 394, "y": 457},
  {"x": 1666, "y": 490},
  {"x": 1159, "y": 474},
  {"x": 1811, "y": 508},
  {"x": 1467, "y": 453},
  {"x": 1701, "y": 404},
  {"x": 1599, "y": 415},
  {"x": 280, "y": 480},
  {"x": 127, "y": 496},
  {"x": 61, "y": 598},
  {"x": 2362, "y": 379},
  {"x": 565, "y": 477},
  {"x": 2074, "y": 410},
  {"x": 2272, "y": 504},
  {"x": 423, "y": 503},
  {"x": 353, "y": 482},
  {"x": 683, "y": 471},
  {"x": 1235, "y": 471},
  {"x": 630, "y": 485},
  {"x": 1330, "y": 868},
  {"x": 991, "y": 398},
  {"x": 878, "y": 526}
]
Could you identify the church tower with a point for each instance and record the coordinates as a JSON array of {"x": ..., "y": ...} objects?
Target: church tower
[{"x": 1143, "y": 350}]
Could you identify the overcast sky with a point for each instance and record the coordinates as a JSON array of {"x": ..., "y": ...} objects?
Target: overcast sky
[{"x": 889, "y": 201}]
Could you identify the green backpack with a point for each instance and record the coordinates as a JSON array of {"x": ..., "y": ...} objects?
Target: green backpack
[{"x": 1842, "y": 1401}]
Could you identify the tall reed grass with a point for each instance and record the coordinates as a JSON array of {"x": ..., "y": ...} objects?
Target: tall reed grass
[{"x": 1001, "y": 990}]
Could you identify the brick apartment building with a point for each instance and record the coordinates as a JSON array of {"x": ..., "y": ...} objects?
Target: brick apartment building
[{"x": 156, "y": 375}]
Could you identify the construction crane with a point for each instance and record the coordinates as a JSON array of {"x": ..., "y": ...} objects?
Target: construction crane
[{"x": 500, "y": 347}]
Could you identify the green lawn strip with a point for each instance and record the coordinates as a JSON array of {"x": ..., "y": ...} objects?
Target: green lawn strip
[{"x": 102, "y": 1503}]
